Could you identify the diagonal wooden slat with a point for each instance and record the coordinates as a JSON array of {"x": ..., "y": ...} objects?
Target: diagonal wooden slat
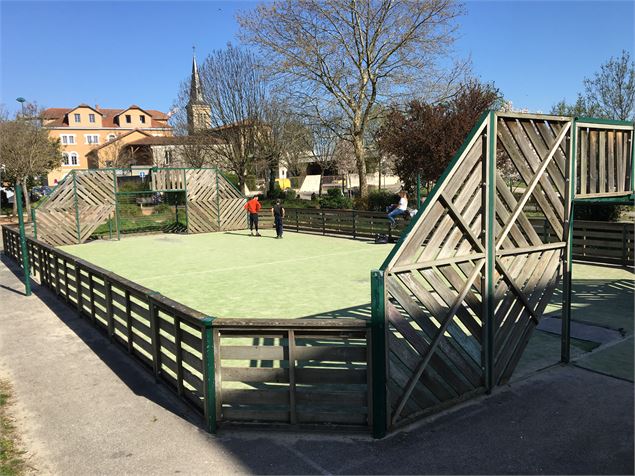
[
  {"x": 435, "y": 342},
  {"x": 532, "y": 185}
]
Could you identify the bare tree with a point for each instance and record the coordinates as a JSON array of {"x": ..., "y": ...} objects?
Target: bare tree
[
  {"x": 197, "y": 150},
  {"x": 350, "y": 54},
  {"x": 281, "y": 139},
  {"x": 26, "y": 151}
]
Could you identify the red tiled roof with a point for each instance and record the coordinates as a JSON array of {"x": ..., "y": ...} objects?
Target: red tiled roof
[{"x": 57, "y": 115}]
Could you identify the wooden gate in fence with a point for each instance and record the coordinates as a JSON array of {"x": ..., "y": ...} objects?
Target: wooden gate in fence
[
  {"x": 457, "y": 299},
  {"x": 86, "y": 199}
]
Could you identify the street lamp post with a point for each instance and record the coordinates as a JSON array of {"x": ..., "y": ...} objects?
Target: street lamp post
[{"x": 21, "y": 100}]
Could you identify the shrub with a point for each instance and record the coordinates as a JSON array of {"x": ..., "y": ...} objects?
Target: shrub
[
  {"x": 290, "y": 194},
  {"x": 232, "y": 177},
  {"x": 380, "y": 199},
  {"x": 127, "y": 210},
  {"x": 133, "y": 185},
  {"x": 597, "y": 211},
  {"x": 276, "y": 193},
  {"x": 360, "y": 203},
  {"x": 335, "y": 199},
  {"x": 162, "y": 209}
]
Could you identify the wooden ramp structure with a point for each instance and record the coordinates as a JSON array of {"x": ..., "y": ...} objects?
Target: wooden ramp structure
[
  {"x": 457, "y": 299},
  {"x": 87, "y": 199}
]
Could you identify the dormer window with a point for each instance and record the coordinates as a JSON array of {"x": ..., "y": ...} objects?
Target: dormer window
[
  {"x": 78, "y": 117},
  {"x": 142, "y": 118},
  {"x": 128, "y": 118},
  {"x": 91, "y": 118}
]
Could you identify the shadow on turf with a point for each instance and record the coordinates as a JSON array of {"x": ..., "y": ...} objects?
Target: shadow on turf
[
  {"x": 249, "y": 236},
  {"x": 129, "y": 370}
]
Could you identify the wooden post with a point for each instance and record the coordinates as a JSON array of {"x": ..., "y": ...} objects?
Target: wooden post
[
  {"x": 209, "y": 366},
  {"x": 110, "y": 318},
  {"x": 179, "y": 355},
  {"x": 489, "y": 244},
  {"x": 128, "y": 321},
  {"x": 570, "y": 184},
  {"x": 293, "y": 417},
  {"x": 91, "y": 294},
  {"x": 354, "y": 225},
  {"x": 155, "y": 335},
  {"x": 78, "y": 287}
]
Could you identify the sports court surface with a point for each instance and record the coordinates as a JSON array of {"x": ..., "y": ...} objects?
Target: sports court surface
[{"x": 235, "y": 275}]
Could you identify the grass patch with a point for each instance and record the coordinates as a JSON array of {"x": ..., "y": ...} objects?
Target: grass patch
[{"x": 11, "y": 461}]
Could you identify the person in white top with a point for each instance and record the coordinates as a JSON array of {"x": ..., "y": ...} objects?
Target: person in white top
[{"x": 398, "y": 208}]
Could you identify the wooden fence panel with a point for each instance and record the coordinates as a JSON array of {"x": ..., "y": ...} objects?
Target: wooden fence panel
[{"x": 302, "y": 372}]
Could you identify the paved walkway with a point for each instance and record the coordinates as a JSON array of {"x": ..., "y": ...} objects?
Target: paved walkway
[{"x": 84, "y": 407}]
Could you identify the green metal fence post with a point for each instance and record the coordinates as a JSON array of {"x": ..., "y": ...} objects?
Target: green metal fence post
[
  {"x": 209, "y": 376},
  {"x": 23, "y": 250},
  {"x": 75, "y": 202},
  {"x": 489, "y": 195},
  {"x": 114, "y": 189},
  {"x": 570, "y": 184},
  {"x": 378, "y": 357},
  {"x": 218, "y": 200},
  {"x": 34, "y": 223},
  {"x": 187, "y": 217}
]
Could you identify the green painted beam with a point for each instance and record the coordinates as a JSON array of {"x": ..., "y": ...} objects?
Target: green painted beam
[
  {"x": 23, "y": 249},
  {"x": 599, "y": 120},
  {"x": 378, "y": 357}
]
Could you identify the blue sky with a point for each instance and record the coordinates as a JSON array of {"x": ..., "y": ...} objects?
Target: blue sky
[{"x": 115, "y": 54}]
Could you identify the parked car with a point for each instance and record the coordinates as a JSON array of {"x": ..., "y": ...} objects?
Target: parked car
[{"x": 38, "y": 192}]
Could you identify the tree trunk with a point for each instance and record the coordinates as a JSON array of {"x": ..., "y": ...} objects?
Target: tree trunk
[
  {"x": 272, "y": 177},
  {"x": 360, "y": 160}
]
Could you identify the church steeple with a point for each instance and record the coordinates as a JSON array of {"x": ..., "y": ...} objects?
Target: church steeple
[
  {"x": 196, "y": 92},
  {"x": 198, "y": 111}
]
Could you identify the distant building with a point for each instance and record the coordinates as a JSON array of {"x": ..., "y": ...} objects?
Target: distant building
[{"x": 84, "y": 128}]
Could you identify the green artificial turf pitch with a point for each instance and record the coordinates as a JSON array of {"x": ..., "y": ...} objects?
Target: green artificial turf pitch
[{"x": 235, "y": 275}]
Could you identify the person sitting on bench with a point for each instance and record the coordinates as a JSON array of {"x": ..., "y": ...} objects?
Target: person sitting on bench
[{"x": 400, "y": 208}]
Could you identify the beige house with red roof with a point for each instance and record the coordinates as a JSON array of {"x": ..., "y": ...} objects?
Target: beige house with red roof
[{"x": 84, "y": 128}]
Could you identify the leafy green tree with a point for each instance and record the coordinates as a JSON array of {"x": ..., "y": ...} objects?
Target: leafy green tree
[
  {"x": 26, "y": 151},
  {"x": 610, "y": 93}
]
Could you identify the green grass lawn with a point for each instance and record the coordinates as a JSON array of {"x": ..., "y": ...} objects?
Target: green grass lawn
[{"x": 236, "y": 275}]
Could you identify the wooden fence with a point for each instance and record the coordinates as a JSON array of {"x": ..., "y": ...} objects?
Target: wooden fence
[
  {"x": 608, "y": 242},
  {"x": 350, "y": 223},
  {"x": 305, "y": 371},
  {"x": 592, "y": 241}
]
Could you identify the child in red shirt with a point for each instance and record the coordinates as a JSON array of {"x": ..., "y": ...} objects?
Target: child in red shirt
[{"x": 253, "y": 206}]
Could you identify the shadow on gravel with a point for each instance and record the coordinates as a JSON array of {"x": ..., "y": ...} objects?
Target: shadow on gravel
[{"x": 129, "y": 370}]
